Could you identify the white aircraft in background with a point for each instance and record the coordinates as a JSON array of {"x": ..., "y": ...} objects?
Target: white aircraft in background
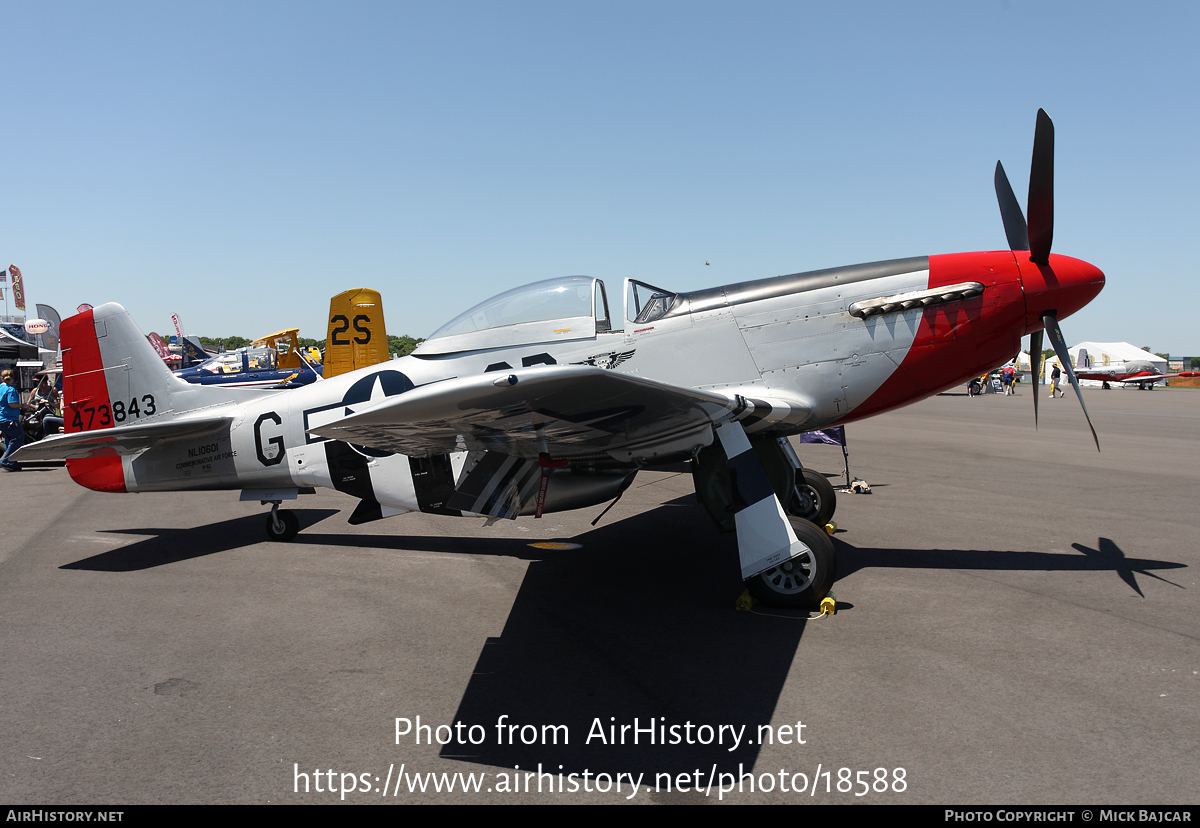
[{"x": 1141, "y": 373}]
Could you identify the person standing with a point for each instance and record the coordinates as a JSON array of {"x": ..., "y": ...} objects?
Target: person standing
[
  {"x": 44, "y": 401},
  {"x": 1055, "y": 374},
  {"x": 10, "y": 419}
]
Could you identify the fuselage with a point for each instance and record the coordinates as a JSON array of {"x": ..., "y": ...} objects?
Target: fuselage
[{"x": 803, "y": 351}]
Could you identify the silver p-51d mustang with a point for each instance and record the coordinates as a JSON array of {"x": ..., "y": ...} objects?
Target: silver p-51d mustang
[{"x": 552, "y": 396}]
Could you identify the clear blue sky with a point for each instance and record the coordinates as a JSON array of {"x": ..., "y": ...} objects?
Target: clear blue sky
[{"x": 238, "y": 163}]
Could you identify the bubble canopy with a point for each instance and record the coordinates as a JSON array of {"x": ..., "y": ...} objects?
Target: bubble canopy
[
  {"x": 553, "y": 309},
  {"x": 561, "y": 298}
]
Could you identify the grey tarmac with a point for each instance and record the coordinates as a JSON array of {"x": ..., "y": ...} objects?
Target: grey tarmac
[{"x": 1018, "y": 625}]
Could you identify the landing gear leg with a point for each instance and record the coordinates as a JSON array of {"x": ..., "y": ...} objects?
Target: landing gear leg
[
  {"x": 785, "y": 561},
  {"x": 802, "y": 581},
  {"x": 282, "y": 525},
  {"x": 813, "y": 497}
]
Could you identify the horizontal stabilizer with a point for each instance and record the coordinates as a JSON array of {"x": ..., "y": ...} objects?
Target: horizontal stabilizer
[{"x": 120, "y": 440}]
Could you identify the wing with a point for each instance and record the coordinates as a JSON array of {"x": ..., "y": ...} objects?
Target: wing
[
  {"x": 568, "y": 412},
  {"x": 1157, "y": 377},
  {"x": 119, "y": 440}
]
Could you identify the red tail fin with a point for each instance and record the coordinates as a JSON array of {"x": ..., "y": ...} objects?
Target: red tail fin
[{"x": 86, "y": 403}]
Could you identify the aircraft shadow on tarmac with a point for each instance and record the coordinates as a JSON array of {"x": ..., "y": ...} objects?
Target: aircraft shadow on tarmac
[
  {"x": 1106, "y": 557},
  {"x": 168, "y": 546},
  {"x": 638, "y": 624}
]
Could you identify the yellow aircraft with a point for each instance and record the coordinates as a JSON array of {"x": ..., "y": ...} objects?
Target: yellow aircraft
[{"x": 286, "y": 344}]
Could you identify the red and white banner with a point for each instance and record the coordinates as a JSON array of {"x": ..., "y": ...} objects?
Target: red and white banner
[
  {"x": 178, "y": 327},
  {"x": 160, "y": 346}
]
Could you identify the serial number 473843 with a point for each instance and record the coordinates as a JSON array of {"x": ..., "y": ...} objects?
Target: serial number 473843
[{"x": 101, "y": 416}]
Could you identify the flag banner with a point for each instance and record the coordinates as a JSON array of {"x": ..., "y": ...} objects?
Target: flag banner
[
  {"x": 18, "y": 287},
  {"x": 160, "y": 346},
  {"x": 833, "y": 436},
  {"x": 178, "y": 326},
  {"x": 50, "y": 315}
]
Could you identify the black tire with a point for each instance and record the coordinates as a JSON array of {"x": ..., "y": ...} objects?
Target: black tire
[
  {"x": 814, "y": 498},
  {"x": 803, "y": 581},
  {"x": 291, "y": 525}
]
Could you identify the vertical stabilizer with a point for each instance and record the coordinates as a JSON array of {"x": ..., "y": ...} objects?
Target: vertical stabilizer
[
  {"x": 112, "y": 376},
  {"x": 103, "y": 353},
  {"x": 356, "y": 336},
  {"x": 114, "y": 379}
]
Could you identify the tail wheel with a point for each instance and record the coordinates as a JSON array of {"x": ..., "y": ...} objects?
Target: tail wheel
[
  {"x": 282, "y": 525},
  {"x": 814, "y": 498},
  {"x": 803, "y": 581}
]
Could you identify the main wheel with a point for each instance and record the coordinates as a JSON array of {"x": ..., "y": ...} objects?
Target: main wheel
[
  {"x": 814, "y": 498},
  {"x": 803, "y": 581},
  {"x": 286, "y": 528}
]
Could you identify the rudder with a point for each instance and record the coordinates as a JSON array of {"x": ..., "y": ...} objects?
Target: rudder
[{"x": 357, "y": 336}]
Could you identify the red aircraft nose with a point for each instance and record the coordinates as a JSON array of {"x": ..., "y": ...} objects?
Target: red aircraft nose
[{"x": 1064, "y": 286}]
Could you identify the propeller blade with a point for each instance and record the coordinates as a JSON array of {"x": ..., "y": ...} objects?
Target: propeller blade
[
  {"x": 1010, "y": 210},
  {"x": 1060, "y": 347},
  {"x": 1035, "y": 369},
  {"x": 1041, "y": 191}
]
